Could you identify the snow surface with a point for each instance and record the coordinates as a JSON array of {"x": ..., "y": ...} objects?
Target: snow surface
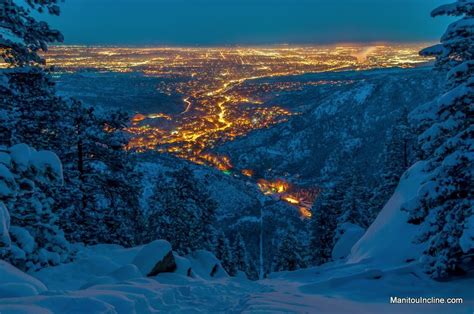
[
  {"x": 104, "y": 280},
  {"x": 15, "y": 283},
  {"x": 112, "y": 279},
  {"x": 206, "y": 265},
  {"x": 92, "y": 265}
]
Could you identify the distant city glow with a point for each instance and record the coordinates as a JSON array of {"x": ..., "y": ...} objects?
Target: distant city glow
[{"x": 219, "y": 91}]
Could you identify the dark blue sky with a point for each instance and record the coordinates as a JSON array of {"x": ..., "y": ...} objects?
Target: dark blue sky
[{"x": 214, "y": 22}]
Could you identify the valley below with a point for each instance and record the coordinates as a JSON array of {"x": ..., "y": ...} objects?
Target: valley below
[{"x": 193, "y": 103}]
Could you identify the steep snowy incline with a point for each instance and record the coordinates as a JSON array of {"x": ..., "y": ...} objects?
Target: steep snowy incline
[{"x": 389, "y": 240}]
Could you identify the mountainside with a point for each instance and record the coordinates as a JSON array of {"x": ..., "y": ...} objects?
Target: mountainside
[{"x": 341, "y": 122}]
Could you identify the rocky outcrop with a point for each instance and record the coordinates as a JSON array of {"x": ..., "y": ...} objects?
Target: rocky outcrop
[
  {"x": 206, "y": 265},
  {"x": 155, "y": 258}
]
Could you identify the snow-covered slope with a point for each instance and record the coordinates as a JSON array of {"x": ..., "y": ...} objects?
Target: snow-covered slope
[
  {"x": 110, "y": 279},
  {"x": 350, "y": 116},
  {"x": 389, "y": 241}
]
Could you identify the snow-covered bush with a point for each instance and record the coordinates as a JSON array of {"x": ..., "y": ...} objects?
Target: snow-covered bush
[{"x": 30, "y": 234}]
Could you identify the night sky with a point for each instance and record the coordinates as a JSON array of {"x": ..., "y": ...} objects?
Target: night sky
[{"x": 228, "y": 22}]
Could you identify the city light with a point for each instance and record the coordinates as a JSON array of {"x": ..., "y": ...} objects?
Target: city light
[{"x": 220, "y": 89}]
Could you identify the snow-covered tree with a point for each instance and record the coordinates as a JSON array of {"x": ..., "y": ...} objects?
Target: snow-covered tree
[
  {"x": 355, "y": 204},
  {"x": 21, "y": 35},
  {"x": 5, "y": 240},
  {"x": 398, "y": 154},
  {"x": 26, "y": 178},
  {"x": 182, "y": 212},
  {"x": 289, "y": 255},
  {"x": 223, "y": 252},
  {"x": 28, "y": 107},
  {"x": 100, "y": 200},
  {"x": 324, "y": 223},
  {"x": 37, "y": 115},
  {"x": 239, "y": 254},
  {"x": 444, "y": 204}
]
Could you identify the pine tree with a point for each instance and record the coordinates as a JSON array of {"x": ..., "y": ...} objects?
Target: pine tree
[
  {"x": 208, "y": 219},
  {"x": 252, "y": 273},
  {"x": 154, "y": 215},
  {"x": 37, "y": 240},
  {"x": 182, "y": 212},
  {"x": 114, "y": 183},
  {"x": 22, "y": 36},
  {"x": 324, "y": 223},
  {"x": 29, "y": 107},
  {"x": 398, "y": 154},
  {"x": 355, "y": 204},
  {"x": 224, "y": 254},
  {"x": 100, "y": 200},
  {"x": 177, "y": 217},
  {"x": 30, "y": 112},
  {"x": 289, "y": 254},
  {"x": 240, "y": 255},
  {"x": 444, "y": 204}
]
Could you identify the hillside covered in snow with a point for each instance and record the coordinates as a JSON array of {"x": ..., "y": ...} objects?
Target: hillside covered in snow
[{"x": 347, "y": 114}]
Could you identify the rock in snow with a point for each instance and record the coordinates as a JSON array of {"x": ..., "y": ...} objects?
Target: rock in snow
[
  {"x": 206, "y": 265},
  {"x": 183, "y": 266},
  {"x": 155, "y": 258}
]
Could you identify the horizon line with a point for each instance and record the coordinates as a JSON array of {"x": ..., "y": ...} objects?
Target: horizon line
[{"x": 243, "y": 45}]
